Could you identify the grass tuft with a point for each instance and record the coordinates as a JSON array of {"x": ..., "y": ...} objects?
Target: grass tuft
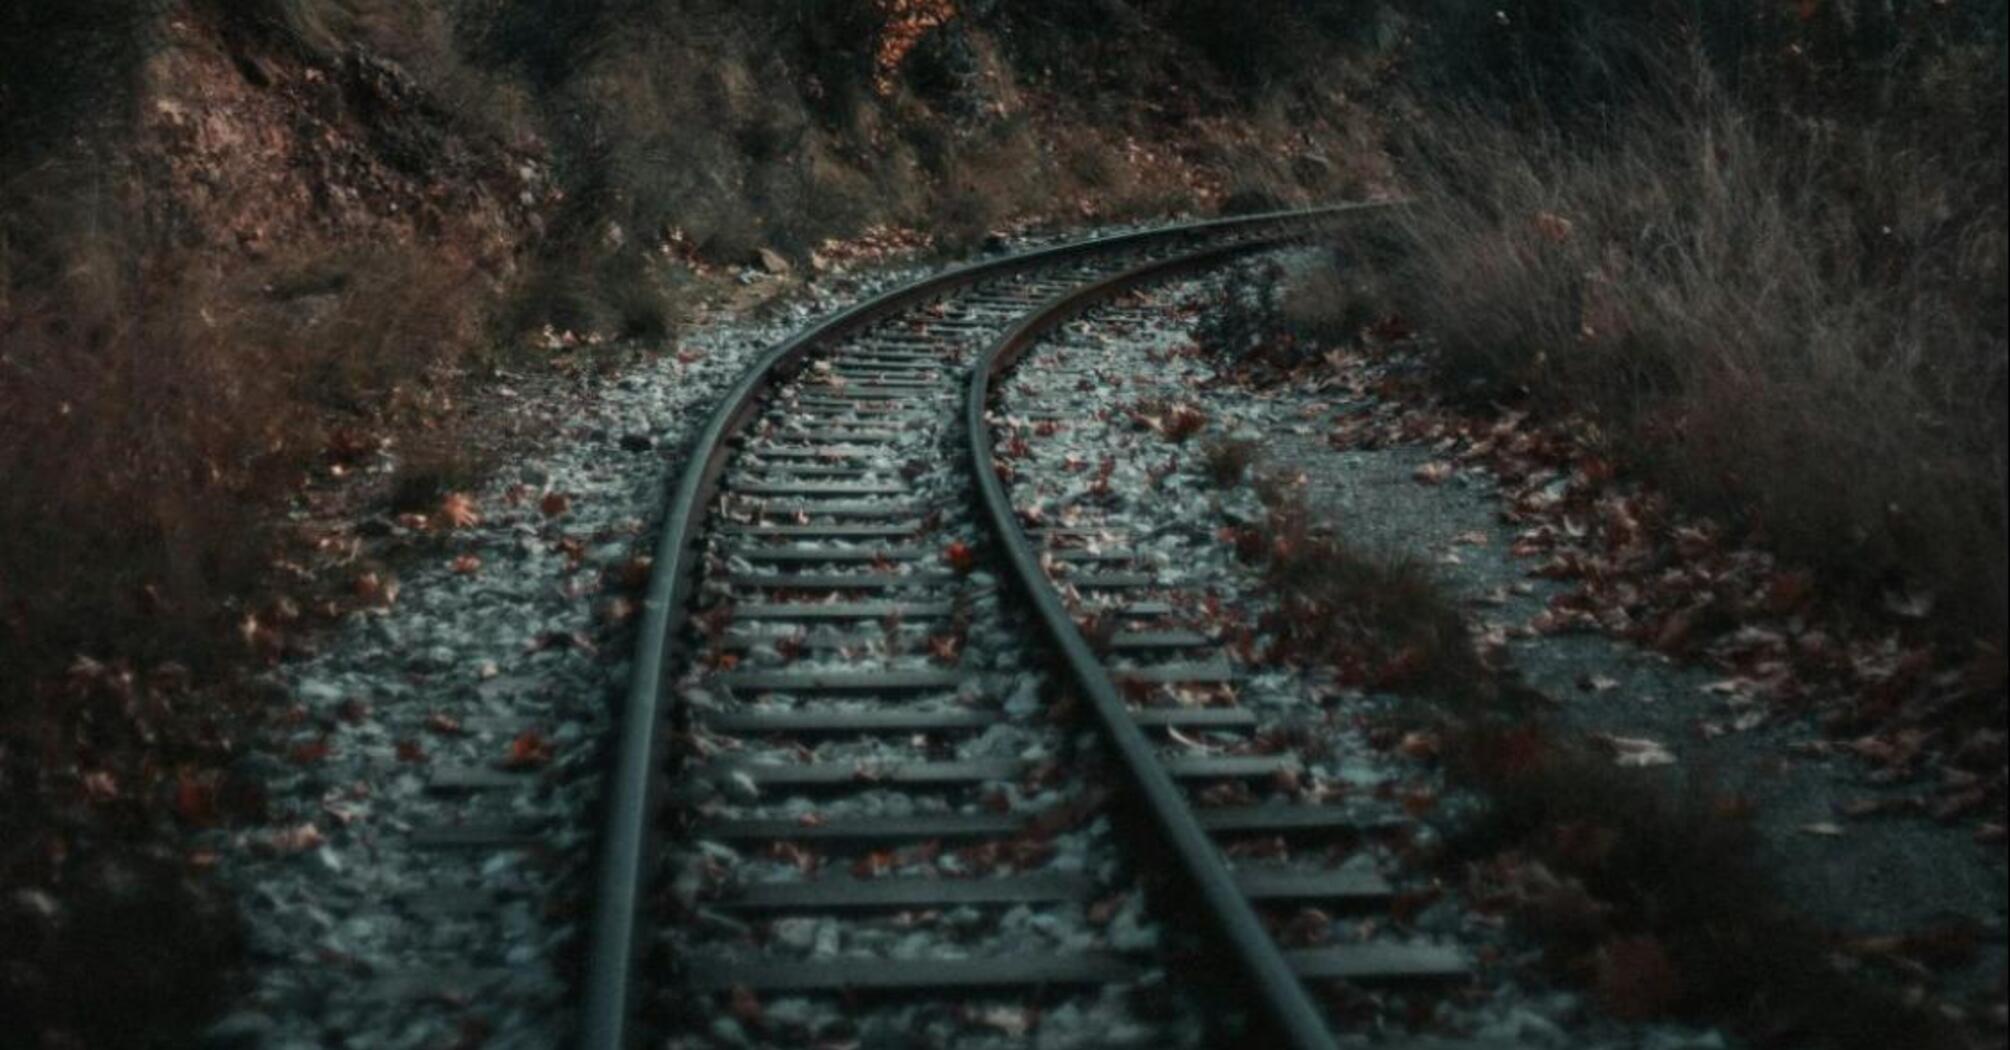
[{"x": 1379, "y": 621}]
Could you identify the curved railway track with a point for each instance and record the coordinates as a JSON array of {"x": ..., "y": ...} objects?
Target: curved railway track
[{"x": 838, "y": 697}]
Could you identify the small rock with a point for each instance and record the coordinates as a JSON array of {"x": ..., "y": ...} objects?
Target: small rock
[
  {"x": 827, "y": 940},
  {"x": 246, "y": 1028},
  {"x": 728, "y": 1032},
  {"x": 740, "y": 787},
  {"x": 318, "y": 692},
  {"x": 789, "y": 1015},
  {"x": 799, "y": 934},
  {"x": 1523, "y": 1025},
  {"x": 773, "y": 261}
]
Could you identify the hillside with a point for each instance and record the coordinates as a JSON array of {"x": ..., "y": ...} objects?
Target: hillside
[{"x": 279, "y": 277}]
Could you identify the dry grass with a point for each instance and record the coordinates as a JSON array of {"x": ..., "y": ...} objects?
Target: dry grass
[
  {"x": 1650, "y": 894},
  {"x": 1829, "y": 370},
  {"x": 155, "y": 410},
  {"x": 1377, "y": 620}
]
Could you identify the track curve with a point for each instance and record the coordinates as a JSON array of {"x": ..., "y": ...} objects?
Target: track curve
[{"x": 651, "y": 713}]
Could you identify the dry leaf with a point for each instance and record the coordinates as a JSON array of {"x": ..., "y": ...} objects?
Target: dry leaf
[
  {"x": 528, "y": 751},
  {"x": 457, "y": 511},
  {"x": 1433, "y": 473}
]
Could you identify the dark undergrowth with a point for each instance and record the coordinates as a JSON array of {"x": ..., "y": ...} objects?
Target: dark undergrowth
[
  {"x": 1764, "y": 253},
  {"x": 1649, "y": 893}
]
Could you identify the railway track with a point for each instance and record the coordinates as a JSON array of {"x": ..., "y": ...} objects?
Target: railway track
[{"x": 845, "y": 773}]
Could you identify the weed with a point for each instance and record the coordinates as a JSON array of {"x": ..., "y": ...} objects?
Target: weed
[
  {"x": 1799, "y": 341},
  {"x": 1376, "y": 620}
]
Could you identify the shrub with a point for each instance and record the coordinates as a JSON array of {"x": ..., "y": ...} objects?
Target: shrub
[
  {"x": 1810, "y": 341},
  {"x": 1378, "y": 620},
  {"x": 155, "y": 408}
]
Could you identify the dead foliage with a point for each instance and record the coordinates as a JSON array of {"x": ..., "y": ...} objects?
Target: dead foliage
[{"x": 1378, "y": 621}]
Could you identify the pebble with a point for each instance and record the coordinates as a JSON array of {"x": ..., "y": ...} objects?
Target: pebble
[
  {"x": 795, "y": 933},
  {"x": 459, "y": 646}
]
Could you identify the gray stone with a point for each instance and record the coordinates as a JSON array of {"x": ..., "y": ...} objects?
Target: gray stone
[
  {"x": 795, "y": 933},
  {"x": 246, "y": 1029}
]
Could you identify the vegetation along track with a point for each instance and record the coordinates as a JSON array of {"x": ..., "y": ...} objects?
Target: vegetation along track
[{"x": 840, "y": 721}]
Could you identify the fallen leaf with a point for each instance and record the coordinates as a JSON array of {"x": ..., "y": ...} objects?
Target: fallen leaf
[
  {"x": 376, "y": 589},
  {"x": 195, "y": 799},
  {"x": 467, "y": 565},
  {"x": 1433, "y": 473},
  {"x": 457, "y": 510},
  {"x": 100, "y": 786},
  {"x": 1421, "y": 745},
  {"x": 295, "y": 839},
  {"x": 554, "y": 504},
  {"x": 960, "y": 557},
  {"x": 1552, "y": 227},
  {"x": 528, "y": 751},
  {"x": 635, "y": 572},
  {"x": 945, "y": 649}
]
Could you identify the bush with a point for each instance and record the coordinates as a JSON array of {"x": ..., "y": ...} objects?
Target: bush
[
  {"x": 1377, "y": 620},
  {"x": 155, "y": 409},
  {"x": 1810, "y": 340}
]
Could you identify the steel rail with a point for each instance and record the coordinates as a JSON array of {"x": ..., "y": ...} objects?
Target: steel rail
[
  {"x": 1282, "y": 997},
  {"x": 630, "y": 798}
]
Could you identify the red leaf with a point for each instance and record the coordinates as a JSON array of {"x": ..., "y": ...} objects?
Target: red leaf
[
  {"x": 959, "y": 556},
  {"x": 528, "y": 751},
  {"x": 195, "y": 799}
]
